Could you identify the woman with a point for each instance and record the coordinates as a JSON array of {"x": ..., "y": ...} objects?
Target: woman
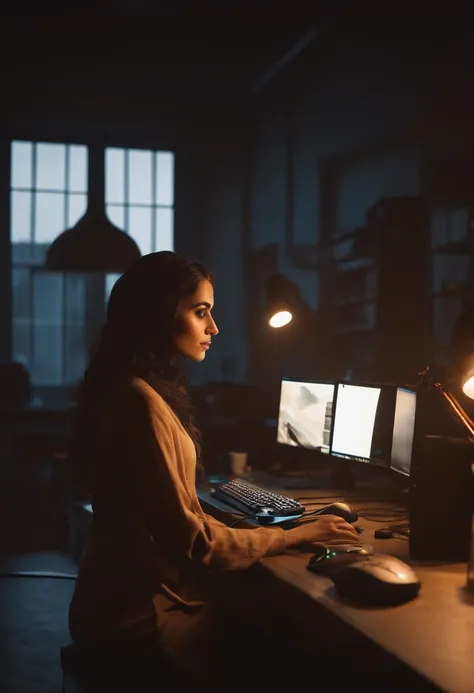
[{"x": 150, "y": 571}]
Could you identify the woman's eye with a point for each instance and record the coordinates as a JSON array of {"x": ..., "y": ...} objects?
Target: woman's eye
[{"x": 201, "y": 313}]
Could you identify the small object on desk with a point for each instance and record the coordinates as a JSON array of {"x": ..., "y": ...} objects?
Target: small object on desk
[
  {"x": 238, "y": 463},
  {"x": 329, "y": 558},
  {"x": 380, "y": 580},
  {"x": 383, "y": 533}
]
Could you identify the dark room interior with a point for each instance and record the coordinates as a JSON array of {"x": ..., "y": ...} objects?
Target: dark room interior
[{"x": 326, "y": 168}]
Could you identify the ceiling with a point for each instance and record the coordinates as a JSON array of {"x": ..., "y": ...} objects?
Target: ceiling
[
  {"x": 137, "y": 56},
  {"x": 137, "y": 32}
]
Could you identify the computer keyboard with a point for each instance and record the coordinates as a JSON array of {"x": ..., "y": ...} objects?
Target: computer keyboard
[{"x": 252, "y": 499}]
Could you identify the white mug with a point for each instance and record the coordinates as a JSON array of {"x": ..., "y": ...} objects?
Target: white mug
[{"x": 238, "y": 463}]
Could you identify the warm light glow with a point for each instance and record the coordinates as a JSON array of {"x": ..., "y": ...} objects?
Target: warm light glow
[
  {"x": 283, "y": 317},
  {"x": 468, "y": 387}
]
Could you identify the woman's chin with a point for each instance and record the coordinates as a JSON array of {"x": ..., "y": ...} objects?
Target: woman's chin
[{"x": 197, "y": 357}]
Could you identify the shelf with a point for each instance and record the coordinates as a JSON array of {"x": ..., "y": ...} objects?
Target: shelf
[
  {"x": 354, "y": 263},
  {"x": 453, "y": 248},
  {"x": 456, "y": 291},
  {"x": 355, "y": 301},
  {"x": 354, "y": 330}
]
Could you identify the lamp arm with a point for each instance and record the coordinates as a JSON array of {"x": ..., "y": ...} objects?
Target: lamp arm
[{"x": 456, "y": 407}]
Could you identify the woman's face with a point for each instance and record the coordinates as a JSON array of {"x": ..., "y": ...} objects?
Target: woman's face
[{"x": 197, "y": 326}]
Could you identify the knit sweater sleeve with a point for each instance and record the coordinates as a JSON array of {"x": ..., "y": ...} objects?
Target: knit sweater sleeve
[{"x": 158, "y": 461}]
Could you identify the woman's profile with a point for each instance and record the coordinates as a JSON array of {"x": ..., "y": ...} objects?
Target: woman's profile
[{"x": 149, "y": 573}]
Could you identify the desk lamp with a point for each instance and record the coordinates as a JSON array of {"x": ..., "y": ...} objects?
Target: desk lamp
[
  {"x": 467, "y": 380},
  {"x": 286, "y": 304},
  {"x": 280, "y": 311},
  {"x": 441, "y": 501}
]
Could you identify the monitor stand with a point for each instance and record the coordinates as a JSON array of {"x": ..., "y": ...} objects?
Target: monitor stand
[
  {"x": 338, "y": 476},
  {"x": 305, "y": 481},
  {"x": 341, "y": 475}
]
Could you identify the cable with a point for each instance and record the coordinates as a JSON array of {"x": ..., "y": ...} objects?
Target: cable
[
  {"x": 326, "y": 500},
  {"x": 384, "y": 519},
  {"x": 402, "y": 529},
  {"x": 400, "y": 537},
  {"x": 383, "y": 514},
  {"x": 310, "y": 513}
]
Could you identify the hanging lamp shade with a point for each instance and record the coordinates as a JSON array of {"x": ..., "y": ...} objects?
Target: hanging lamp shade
[{"x": 94, "y": 244}]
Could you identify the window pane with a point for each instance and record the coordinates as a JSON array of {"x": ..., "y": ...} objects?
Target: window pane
[
  {"x": 21, "y": 342},
  {"x": 21, "y": 164},
  {"x": 22, "y": 253},
  {"x": 47, "y": 298},
  {"x": 164, "y": 229},
  {"x": 51, "y": 166},
  {"x": 49, "y": 221},
  {"x": 116, "y": 215},
  {"x": 140, "y": 228},
  {"x": 164, "y": 178},
  {"x": 77, "y": 168},
  {"x": 77, "y": 205},
  {"x": 47, "y": 355},
  {"x": 139, "y": 177},
  {"x": 114, "y": 175},
  {"x": 21, "y": 294},
  {"x": 110, "y": 280},
  {"x": 38, "y": 252},
  {"x": 20, "y": 217}
]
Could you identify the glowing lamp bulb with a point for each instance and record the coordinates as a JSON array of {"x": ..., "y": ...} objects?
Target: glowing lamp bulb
[
  {"x": 468, "y": 387},
  {"x": 283, "y": 317}
]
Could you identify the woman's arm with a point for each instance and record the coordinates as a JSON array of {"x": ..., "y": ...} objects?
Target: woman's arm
[{"x": 155, "y": 476}]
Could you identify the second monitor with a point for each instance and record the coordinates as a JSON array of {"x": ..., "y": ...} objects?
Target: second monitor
[{"x": 363, "y": 423}]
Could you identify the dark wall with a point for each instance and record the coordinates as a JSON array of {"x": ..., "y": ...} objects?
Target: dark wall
[
  {"x": 367, "y": 110},
  {"x": 363, "y": 113},
  {"x": 222, "y": 247}
]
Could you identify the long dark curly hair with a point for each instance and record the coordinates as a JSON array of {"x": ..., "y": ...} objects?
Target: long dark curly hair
[{"x": 138, "y": 340}]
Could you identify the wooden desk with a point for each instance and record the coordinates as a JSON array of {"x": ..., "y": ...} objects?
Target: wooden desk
[{"x": 432, "y": 637}]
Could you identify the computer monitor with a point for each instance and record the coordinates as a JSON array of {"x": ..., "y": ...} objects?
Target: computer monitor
[
  {"x": 305, "y": 414},
  {"x": 363, "y": 423},
  {"x": 403, "y": 431}
]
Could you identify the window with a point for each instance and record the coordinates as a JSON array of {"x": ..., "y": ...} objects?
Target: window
[
  {"x": 48, "y": 195},
  {"x": 54, "y": 314},
  {"x": 139, "y": 196}
]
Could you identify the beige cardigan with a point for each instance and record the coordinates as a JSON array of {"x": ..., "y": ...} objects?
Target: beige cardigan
[{"x": 151, "y": 549}]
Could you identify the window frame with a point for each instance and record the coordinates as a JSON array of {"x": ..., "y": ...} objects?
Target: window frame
[{"x": 148, "y": 140}]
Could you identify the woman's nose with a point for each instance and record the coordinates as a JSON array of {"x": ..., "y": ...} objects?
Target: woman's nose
[{"x": 212, "y": 328}]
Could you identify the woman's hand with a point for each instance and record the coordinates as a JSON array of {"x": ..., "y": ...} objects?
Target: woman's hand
[{"x": 325, "y": 529}]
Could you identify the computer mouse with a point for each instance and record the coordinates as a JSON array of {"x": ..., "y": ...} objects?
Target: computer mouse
[
  {"x": 380, "y": 580},
  {"x": 341, "y": 509},
  {"x": 329, "y": 558}
]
